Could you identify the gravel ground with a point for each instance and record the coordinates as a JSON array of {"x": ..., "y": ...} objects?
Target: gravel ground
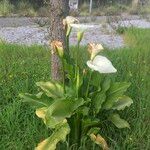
[{"x": 25, "y": 31}]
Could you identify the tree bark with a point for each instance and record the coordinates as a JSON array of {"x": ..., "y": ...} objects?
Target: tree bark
[
  {"x": 59, "y": 9},
  {"x": 135, "y": 4}
]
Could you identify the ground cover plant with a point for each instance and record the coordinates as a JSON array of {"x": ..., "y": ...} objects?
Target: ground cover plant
[
  {"x": 22, "y": 66},
  {"x": 76, "y": 107}
]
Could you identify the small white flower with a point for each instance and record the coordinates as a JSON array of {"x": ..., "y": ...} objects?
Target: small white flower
[{"x": 101, "y": 64}]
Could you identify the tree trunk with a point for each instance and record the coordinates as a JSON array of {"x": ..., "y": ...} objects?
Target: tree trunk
[
  {"x": 135, "y": 4},
  {"x": 59, "y": 9}
]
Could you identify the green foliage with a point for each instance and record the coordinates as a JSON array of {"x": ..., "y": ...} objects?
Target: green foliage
[
  {"x": 115, "y": 91},
  {"x": 37, "y": 101},
  {"x": 60, "y": 110},
  {"x": 21, "y": 67},
  {"x": 51, "y": 89},
  {"x": 58, "y": 135},
  {"x": 82, "y": 109},
  {"x": 6, "y": 8},
  {"x": 122, "y": 102},
  {"x": 118, "y": 122}
]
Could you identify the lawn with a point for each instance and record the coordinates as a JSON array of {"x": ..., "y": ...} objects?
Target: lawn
[{"x": 22, "y": 66}]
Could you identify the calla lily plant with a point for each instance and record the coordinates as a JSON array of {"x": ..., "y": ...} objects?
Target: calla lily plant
[{"x": 76, "y": 108}]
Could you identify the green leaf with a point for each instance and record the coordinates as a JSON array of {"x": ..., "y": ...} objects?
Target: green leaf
[
  {"x": 98, "y": 101},
  {"x": 83, "y": 110},
  {"x": 114, "y": 93},
  {"x": 118, "y": 122},
  {"x": 51, "y": 89},
  {"x": 122, "y": 102},
  {"x": 118, "y": 87},
  {"x": 58, "y": 135},
  {"x": 88, "y": 123},
  {"x": 62, "y": 109},
  {"x": 37, "y": 101},
  {"x": 93, "y": 130},
  {"x": 69, "y": 69},
  {"x": 96, "y": 80},
  {"x": 106, "y": 84}
]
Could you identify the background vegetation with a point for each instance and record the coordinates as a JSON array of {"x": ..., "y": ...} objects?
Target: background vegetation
[
  {"x": 22, "y": 66},
  {"x": 100, "y": 7}
]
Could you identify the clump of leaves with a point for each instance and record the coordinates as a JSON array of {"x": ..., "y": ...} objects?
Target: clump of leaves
[{"x": 85, "y": 99}]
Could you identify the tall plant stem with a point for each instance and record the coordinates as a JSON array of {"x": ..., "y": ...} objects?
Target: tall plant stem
[
  {"x": 67, "y": 45},
  {"x": 63, "y": 70},
  {"x": 77, "y": 71},
  {"x": 88, "y": 85},
  {"x": 75, "y": 133}
]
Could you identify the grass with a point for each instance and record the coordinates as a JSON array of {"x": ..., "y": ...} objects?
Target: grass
[
  {"x": 23, "y": 8},
  {"x": 133, "y": 65},
  {"x": 5, "y": 8},
  {"x": 30, "y": 9},
  {"x": 21, "y": 67}
]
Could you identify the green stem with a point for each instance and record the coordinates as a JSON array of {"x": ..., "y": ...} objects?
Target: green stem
[
  {"x": 87, "y": 90},
  {"x": 77, "y": 72},
  {"x": 77, "y": 82},
  {"x": 77, "y": 130},
  {"x": 67, "y": 45},
  {"x": 78, "y": 46},
  {"x": 63, "y": 69}
]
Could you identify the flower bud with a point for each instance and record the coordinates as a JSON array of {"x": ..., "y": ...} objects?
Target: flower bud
[
  {"x": 80, "y": 36},
  {"x": 94, "y": 49},
  {"x": 58, "y": 47}
]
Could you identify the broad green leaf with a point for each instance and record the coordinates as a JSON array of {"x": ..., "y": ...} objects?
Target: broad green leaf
[
  {"x": 98, "y": 100},
  {"x": 114, "y": 93},
  {"x": 51, "y": 89},
  {"x": 122, "y": 102},
  {"x": 106, "y": 84},
  {"x": 99, "y": 140},
  {"x": 118, "y": 87},
  {"x": 58, "y": 135},
  {"x": 96, "y": 80},
  {"x": 39, "y": 100},
  {"x": 62, "y": 109},
  {"x": 118, "y": 122}
]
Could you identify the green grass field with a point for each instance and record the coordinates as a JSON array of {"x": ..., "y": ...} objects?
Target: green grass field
[{"x": 21, "y": 67}]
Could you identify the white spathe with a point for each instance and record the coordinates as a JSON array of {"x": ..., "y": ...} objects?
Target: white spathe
[
  {"x": 82, "y": 26},
  {"x": 101, "y": 64},
  {"x": 71, "y": 20}
]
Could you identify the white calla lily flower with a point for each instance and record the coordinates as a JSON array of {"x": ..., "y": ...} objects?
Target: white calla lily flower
[
  {"x": 81, "y": 26},
  {"x": 101, "y": 64},
  {"x": 70, "y": 20}
]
